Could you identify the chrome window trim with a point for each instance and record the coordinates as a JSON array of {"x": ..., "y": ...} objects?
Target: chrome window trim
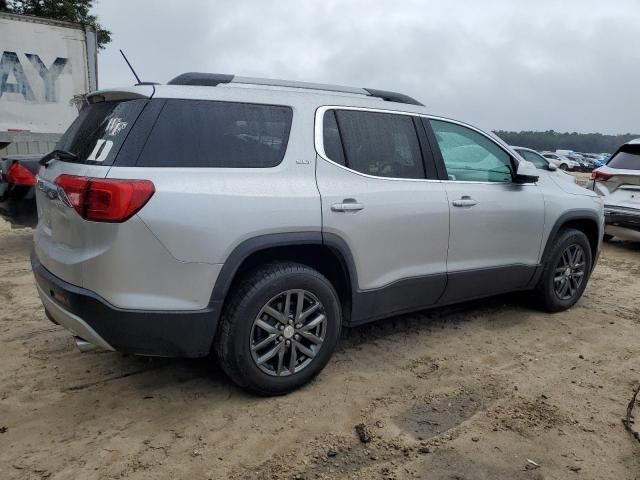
[{"x": 319, "y": 142}]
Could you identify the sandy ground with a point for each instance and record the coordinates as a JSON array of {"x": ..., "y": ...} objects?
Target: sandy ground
[{"x": 489, "y": 390}]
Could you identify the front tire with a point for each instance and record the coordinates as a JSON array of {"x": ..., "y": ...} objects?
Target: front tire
[
  {"x": 279, "y": 329},
  {"x": 566, "y": 272}
]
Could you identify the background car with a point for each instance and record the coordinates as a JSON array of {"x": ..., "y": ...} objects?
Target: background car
[
  {"x": 560, "y": 161},
  {"x": 619, "y": 183},
  {"x": 18, "y": 176},
  {"x": 542, "y": 163}
]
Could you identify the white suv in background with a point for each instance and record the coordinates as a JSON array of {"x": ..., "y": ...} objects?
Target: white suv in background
[{"x": 560, "y": 161}]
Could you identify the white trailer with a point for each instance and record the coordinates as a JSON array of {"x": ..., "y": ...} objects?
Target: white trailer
[{"x": 44, "y": 65}]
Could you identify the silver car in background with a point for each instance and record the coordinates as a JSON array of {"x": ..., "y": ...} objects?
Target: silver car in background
[{"x": 618, "y": 182}]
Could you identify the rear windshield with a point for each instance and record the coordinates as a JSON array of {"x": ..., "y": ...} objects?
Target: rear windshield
[
  {"x": 626, "y": 160},
  {"x": 100, "y": 129},
  {"x": 203, "y": 133}
]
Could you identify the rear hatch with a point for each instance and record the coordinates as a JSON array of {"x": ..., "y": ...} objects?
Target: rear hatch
[
  {"x": 63, "y": 239},
  {"x": 619, "y": 181}
]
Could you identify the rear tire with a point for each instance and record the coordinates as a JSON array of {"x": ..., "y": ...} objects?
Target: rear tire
[
  {"x": 566, "y": 271},
  {"x": 254, "y": 326},
  {"x": 563, "y": 167}
]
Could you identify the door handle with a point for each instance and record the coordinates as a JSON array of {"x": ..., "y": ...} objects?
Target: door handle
[
  {"x": 465, "y": 201},
  {"x": 347, "y": 205}
]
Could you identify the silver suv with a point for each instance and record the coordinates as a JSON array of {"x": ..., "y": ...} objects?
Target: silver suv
[{"x": 255, "y": 218}]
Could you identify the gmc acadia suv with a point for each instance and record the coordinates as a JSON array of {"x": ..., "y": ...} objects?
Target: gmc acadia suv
[{"x": 255, "y": 218}]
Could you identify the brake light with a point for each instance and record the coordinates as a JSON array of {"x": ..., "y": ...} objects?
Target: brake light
[
  {"x": 105, "y": 200},
  {"x": 19, "y": 175},
  {"x": 598, "y": 176}
]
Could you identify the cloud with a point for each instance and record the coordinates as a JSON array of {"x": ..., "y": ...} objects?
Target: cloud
[{"x": 567, "y": 66}]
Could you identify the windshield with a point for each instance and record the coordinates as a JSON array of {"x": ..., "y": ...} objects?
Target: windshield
[{"x": 100, "y": 129}]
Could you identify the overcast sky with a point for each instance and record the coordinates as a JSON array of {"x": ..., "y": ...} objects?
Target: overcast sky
[{"x": 511, "y": 64}]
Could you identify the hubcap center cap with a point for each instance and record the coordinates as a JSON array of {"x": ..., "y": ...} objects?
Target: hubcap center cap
[
  {"x": 288, "y": 332},
  {"x": 567, "y": 272}
]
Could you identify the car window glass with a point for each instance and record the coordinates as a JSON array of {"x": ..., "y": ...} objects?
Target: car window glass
[
  {"x": 534, "y": 158},
  {"x": 331, "y": 138},
  {"x": 470, "y": 156},
  {"x": 625, "y": 161},
  {"x": 380, "y": 144},
  {"x": 202, "y": 133}
]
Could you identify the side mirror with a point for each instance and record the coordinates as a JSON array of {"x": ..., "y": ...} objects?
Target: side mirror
[
  {"x": 526, "y": 173},
  {"x": 552, "y": 167}
]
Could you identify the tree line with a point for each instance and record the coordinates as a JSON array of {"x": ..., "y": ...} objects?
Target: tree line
[{"x": 578, "y": 142}]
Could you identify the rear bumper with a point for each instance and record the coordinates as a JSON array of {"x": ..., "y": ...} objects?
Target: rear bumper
[
  {"x": 627, "y": 218},
  {"x": 164, "y": 333}
]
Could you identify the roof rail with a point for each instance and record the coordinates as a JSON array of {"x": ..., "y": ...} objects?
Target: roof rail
[{"x": 215, "y": 79}]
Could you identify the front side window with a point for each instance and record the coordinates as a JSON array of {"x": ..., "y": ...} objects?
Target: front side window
[
  {"x": 379, "y": 144},
  {"x": 534, "y": 158},
  {"x": 469, "y": 156},
  {"x": 204, "y": 133}
]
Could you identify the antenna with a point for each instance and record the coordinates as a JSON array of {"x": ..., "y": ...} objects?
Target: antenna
[{"x": 130, "y": 67}]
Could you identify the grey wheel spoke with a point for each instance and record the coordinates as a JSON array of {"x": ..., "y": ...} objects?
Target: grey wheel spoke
[
  {"x": 299, "y": 304},
  {"x": 287, "y": 307},
  {"x": 272, "y": 312},
  {"x": 311, "y": 337},
  {"x": 578, "y": 274},
  {"x": 304, "y": 315},
  {"x": 280, "y": 360},
  {"x": 578, "y": 258},
  {"x": 293, "y": 359},
  {"x": 573, "y": 284},
  {"x": 260, "y": 345},
  {"x": 270, "y": 354},
  {"x": 313, "y": 323},
  {"x": 266, "y": 327},
  {"x": 306, "y": 351}
]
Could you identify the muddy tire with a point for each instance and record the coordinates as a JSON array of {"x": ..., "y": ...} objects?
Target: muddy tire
[
  {"x": 279, "y": 329},
  {"x": 566, "y": 271}
]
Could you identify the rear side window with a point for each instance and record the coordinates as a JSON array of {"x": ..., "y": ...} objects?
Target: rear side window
[
  {"x": 99, "y": 131},
  {"x": 200, "y": 133},
  {"x": 332, "y": 141},
  {"x": 629, "y": 160},
  {"x": 380, "y": 144}
]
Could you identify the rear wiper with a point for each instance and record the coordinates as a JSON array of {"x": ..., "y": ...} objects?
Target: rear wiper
[{"x": 58, "y": 155}]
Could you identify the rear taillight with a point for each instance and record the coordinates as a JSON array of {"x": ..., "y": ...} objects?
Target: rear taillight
[
  {"x": 598, "y": 176},
  {"x": 105, "y": 200},
  {"x": 18, "y": 175}
]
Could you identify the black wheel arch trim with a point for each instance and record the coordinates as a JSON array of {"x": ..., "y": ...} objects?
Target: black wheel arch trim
[{"x": 564, "y": 219}]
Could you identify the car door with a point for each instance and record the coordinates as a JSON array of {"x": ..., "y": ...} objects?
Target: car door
[
  {"x": 379, "y": 204},
  {"x": 496, "y": 225}
]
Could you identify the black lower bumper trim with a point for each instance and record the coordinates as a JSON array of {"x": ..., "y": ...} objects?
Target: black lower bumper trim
[
  {"x": 164, "y": 333},
  {"x": 623, "y": 219}
]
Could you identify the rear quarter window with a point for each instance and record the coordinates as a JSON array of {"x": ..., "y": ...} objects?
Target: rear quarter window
[
  {"x": 202, "y": 133},
  {"x": 100, "y": 129}
]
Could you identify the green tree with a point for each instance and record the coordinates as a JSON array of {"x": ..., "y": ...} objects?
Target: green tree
[{"x": 76, "y": 11}]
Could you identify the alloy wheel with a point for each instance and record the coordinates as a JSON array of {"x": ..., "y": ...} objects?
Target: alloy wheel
[
  {"x": 288, "y": 332},
  {"x": 569, "y": 272}
]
